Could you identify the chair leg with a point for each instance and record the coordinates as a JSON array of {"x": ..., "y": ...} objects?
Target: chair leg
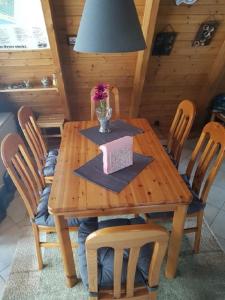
[
  {"x": 37, "y": 246},
  {"x": 198, "y": 232},
  {"x": 153, "y": 296}
]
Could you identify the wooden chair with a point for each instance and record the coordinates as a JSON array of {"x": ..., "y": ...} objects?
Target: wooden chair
[
  {"x": 115, "y": 93},
  {"x": 34, "y": 139},
  {"x": 180, "y": 129},
  {"x": 29, "y": 184},
  {"x": 202, "y": 169},
  {"x": 131, "y": 237}
]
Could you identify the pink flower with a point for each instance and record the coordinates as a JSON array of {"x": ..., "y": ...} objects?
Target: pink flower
[{"x": 101, "y": 92}]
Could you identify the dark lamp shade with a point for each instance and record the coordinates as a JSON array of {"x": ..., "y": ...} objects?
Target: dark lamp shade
[{"x": 109, "y": 26}]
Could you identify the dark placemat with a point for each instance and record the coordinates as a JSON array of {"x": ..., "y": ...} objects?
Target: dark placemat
[
  {"x": 119, "y": 129},
  {"x": 93, "y": 171}
]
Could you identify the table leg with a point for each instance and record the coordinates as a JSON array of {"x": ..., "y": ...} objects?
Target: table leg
[
  {"x": 66, "y": 250},
  {"x": 175, "y": 240}
]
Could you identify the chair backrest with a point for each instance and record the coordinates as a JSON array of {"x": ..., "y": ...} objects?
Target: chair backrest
[
  {"x": 180, "y": 128},
  {"x": 207, "y": 158},
  {"x": 33, "y": 135},
  {"x": 131, "y": 237},
  {"x": 113, "y": 91},
  {"x": 22, "y": 171}
]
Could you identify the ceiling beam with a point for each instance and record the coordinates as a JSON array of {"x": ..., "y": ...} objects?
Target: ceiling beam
[
  {"x": 47, "y": 11},
  {"x": 148, "y": 28},
  {"x": 215, "y": 75}
]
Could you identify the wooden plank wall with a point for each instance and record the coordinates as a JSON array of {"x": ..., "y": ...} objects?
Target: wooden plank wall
[
  {"x": 33, "y": 65},
  {"x": 182, "y": 74},
  {"x": 83, "y": 71}
]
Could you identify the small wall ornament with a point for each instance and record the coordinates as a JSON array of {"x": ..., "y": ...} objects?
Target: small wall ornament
[
  {"x": 164, "y": 41},
  {"x": 205, "y": 33},
  {"x": 190, "y": 2}
]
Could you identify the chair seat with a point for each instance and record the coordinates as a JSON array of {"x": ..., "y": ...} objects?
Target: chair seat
[
  {"x": 44, "y": 218},
  {"x": 195, "y": 206},
  {"x": 51, "y": 160},
  {"x": 106, "y": 255}
]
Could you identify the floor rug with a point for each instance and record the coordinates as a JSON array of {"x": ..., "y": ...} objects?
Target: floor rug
[{"x": 198, "y": 277}]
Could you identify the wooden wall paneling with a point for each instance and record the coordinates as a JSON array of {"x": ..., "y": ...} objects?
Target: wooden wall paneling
[
  {"x": 47, "y": 10},
  {"x": 84, "y": 70},
  {"x": 211, "y": 85},
  {"x": 183, "y": 73},
  {"x": 167, "y": 80},
  {"x": 148, "y": 27}
]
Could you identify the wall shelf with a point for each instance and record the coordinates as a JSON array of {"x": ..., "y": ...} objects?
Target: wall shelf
[{"x": 33, "y": 89}]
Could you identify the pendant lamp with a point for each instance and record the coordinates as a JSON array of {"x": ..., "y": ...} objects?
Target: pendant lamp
[{"x": 109, "y": 26}]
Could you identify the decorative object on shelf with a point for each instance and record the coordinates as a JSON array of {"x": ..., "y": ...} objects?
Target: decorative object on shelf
[
  {"x": 190, "y": 2},
  {"x": 27, "y": 83},
  {"x": 15, "y": 86},
  {"x": 205, "y": 33},
  {"x": 117, "y": 154},
  {"x": 103, "y": 111},
  {"x": 71, "y": 39},
  {"x": 109, "y": 27},
  {"x": 54, "y": 80},
  {"x": 164, "y": 41},
  {"x": 45, "y": 82}
]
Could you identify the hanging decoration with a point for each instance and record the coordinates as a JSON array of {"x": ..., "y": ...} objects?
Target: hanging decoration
[
  {"x": 164, "y": 41},
  {"x": 190, "y": 2},
  {"x": 205, "y": 33}
]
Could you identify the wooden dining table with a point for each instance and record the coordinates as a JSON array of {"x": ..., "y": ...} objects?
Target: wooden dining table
[{"x": 158, "y": 188}]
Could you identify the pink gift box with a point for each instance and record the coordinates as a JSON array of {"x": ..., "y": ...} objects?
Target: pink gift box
[{"x": 117, "y": 154}]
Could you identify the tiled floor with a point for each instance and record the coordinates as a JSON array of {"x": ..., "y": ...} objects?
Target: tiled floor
[
  {"x": 10, "y": 229},
  {"x": 16, "y": 218}
]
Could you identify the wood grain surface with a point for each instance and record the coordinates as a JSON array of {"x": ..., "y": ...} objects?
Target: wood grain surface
[{"x": 158, "y": 187}]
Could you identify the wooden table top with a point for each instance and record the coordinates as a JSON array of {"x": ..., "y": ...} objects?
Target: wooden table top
[{"x": 158, "y": 187}]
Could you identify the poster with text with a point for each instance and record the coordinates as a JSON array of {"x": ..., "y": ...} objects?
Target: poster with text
[{"x": 22, "y": 25}]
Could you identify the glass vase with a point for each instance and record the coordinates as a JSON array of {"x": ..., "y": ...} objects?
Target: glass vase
[{"x": 104, "y": 115}]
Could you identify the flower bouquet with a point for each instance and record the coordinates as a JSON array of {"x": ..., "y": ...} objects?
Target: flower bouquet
[{"x": 103, "y": 111}]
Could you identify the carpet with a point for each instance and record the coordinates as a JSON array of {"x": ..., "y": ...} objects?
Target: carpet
[{"x": 199, "y": 276}]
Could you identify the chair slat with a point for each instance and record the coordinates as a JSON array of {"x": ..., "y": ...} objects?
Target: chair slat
[
  {"x": 38, "y": 178},
  {"x": 33, "y": 136},
  {"x": 26, "y": 184},
  {"x": 203, "y": 165},
  {"x": 34, "y": 140},
  {"x": 195, "y": 154},
  {"x": 118, "y": 260},
  {"x": 39, "y": 136},
  {"x": 178, "y": 135},
  {"x": 28, "y": 177},
  {"x": 131, "y": 270}
]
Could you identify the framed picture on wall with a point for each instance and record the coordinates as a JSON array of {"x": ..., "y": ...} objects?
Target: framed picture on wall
[
  {"x": 22, "y": 25},
  {"x": 71, "y": 40}
]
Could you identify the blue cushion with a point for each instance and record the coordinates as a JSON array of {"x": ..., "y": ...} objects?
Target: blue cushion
[
  {"x": 53, "y": 152},
  {"x": 49, "y": 171},
  {"x": 51, "y": 160},
  {"x": 44, "y": 218},
  {"x": 106, "y": 255},
  {"x": 195, "y": 206},
  {"x": 170, "y": 155},
  {"x": 49, "y": 168}
]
